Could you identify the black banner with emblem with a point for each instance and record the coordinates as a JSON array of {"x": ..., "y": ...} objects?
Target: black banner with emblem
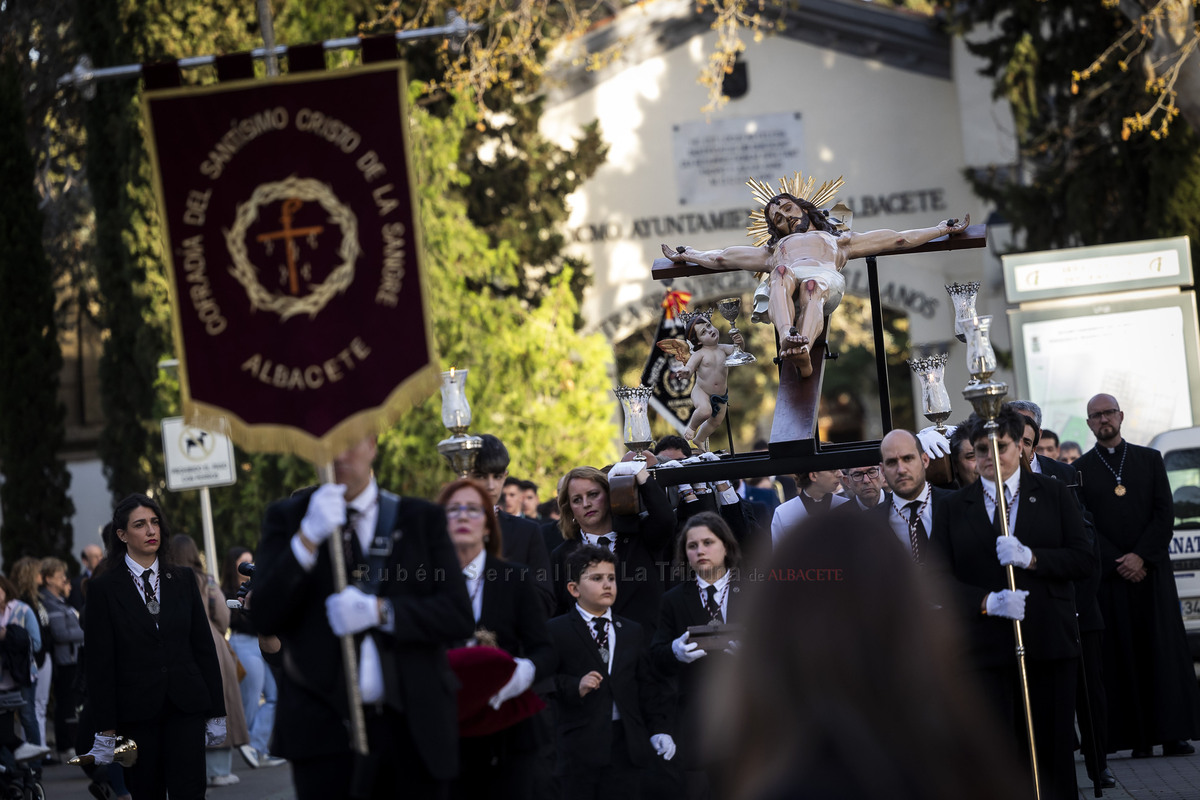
[
  {"x": 671, "y": 389},
  {"x": 296, "y": 268}
]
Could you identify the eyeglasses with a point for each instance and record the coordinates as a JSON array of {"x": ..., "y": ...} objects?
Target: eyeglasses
[
  {"x": 862, "y": 475},
  {"x": 461, "y": 510},
  {"x": 1108, "y": 412}
]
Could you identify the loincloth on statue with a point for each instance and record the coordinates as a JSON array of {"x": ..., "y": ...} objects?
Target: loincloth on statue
[
  {"x": 718, "y": 400},
  {"x": 832, "y": 282}
]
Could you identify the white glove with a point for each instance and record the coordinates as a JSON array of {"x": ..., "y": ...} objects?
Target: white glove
[
  {"x": 664, "y": 745},
  {"x": 1007, "y": 603},
  {"x": 670, "y": 464},
  {"x": 1010, "y": 551},
  {"x": 214, "y": 732},
  {"x": 522, "y": 679},
  {"x": 707, "y": 456},
  {"x": 734, "y": 646},
  {"x": 692, "y": 460},
  {"x": 686, "y": 652},
  {"x": 933, "y": 443},
  {"x": 351, "y": 611},
  {"x": 326, "y": 513},
  {"x": 634, "y": 468},
  {"x": 370, "y": 671},
  {"x": 684, "y": 489},
  {"x": 102, "y": 748}
]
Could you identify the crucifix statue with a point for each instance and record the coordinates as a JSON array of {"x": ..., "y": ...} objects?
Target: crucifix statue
[{"x": 804, "y": 252}]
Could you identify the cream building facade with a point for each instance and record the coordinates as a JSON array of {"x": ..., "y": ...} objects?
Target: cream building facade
[{"x": 874, "y": 95}]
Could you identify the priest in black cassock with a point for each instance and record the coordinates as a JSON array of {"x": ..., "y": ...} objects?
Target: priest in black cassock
[{"x": 1152, "y": 694}]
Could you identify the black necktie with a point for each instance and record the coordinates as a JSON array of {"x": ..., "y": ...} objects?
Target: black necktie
[
  {"x": 351, "y": 546},
  {"x": 151, "y": 600},
  {"x": 600, "y": 634},
  {"x": 916, "y": 529},
  {"x": 997, "y": 523},
  {"x": 606, "y": 542},
  {"x": 714, "y": 608}
]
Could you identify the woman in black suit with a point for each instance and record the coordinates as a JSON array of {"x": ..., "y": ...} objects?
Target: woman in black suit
[
  {"x": 152, "y": 671},
  {"x": 640, "y": 542},
  {"x": 710, "y": 550},
  {"x": 508, "y": 615}
]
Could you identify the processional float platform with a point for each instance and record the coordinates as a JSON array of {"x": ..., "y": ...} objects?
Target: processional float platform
[{"x": 795, "y": 444}]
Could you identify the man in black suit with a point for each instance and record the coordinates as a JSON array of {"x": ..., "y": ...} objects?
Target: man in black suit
[
  {"x": 1048, "y": 549},
  {"x": 864, "y": 487},
  {"x": 912, "y": 500},
  {"x": 522, "y": 538},
  {"x": 405, "y": 604},
  {"x": 609, "y": 696},
  {"x": 89, "y": 559},
  {"x": 1091, "y": 704}
]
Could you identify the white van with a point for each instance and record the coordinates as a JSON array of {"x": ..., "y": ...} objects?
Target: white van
[{"x": 1181, "y": 453}]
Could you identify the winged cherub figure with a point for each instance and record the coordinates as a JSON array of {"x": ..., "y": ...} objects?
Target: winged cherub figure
[{"x": 705, "y": 360}]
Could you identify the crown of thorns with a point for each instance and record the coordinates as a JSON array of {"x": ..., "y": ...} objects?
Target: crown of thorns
[{"x": 796, "y": 186}]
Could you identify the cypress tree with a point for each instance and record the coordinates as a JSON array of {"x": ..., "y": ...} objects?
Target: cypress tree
[{"x": 33, "y": 497}]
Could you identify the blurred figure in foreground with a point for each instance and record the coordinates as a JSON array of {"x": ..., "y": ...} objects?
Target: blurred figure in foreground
[{"x": 860, "y": 671}]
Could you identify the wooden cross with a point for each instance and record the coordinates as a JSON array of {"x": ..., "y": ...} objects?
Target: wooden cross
[
  {"x": 289, "y": 235},
  {"x": 795, "y": 445}
]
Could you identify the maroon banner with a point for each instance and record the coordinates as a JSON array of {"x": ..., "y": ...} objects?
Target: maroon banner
[{"x": 296, "y": 273}]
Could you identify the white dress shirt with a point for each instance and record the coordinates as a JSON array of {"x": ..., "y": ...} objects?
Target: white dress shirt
[
  {"x": 473, "y": 572},
  {"x": 1010, "y": 491}
]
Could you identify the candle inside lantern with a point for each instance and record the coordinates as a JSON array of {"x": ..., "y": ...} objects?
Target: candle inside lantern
[
  {"x": 635, "y": 404},
  {"x": 981, "y": 358},
  {"x": 456, "y": 411}
]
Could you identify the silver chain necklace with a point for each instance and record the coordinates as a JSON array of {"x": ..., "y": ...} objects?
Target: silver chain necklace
[{"x": 1120, "y": 490}]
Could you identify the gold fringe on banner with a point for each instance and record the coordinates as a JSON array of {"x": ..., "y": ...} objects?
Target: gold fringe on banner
[{"x": 409, "y": 391}]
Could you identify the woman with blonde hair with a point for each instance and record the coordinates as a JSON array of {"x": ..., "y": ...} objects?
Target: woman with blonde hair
[
  {"x": 641, "y": 542},
  {"x": 26, "y": 573}
]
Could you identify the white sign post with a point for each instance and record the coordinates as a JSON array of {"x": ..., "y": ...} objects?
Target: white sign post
[{"x": 197, "y": 459}]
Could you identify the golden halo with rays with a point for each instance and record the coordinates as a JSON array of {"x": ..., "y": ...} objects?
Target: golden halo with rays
[{"x": 795, "y": 186}]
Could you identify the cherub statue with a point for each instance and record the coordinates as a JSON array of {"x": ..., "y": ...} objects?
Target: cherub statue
[
  {"x": 706, "y": 360},
  {"x": 805, "y": 253}
]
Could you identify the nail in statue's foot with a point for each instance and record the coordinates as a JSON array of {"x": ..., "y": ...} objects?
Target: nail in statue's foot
[{"x": 794, "y": 348}]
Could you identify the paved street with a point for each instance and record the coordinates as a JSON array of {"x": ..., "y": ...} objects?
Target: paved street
[
  {"x": 1155, "y": 778},
  {"x": 69, "y": 783},
  {"x": 1158, "y": 778}
]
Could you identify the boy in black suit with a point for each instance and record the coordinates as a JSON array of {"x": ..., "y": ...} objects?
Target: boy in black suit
[{"x": 609, "y": 697}]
